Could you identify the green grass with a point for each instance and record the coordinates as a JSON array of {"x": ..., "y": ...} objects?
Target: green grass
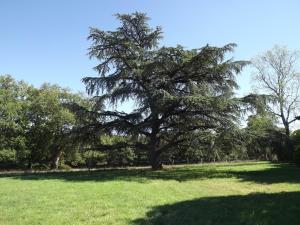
[{"x": 258, "y": 193}]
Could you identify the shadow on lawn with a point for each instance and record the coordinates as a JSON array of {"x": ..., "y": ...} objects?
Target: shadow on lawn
[
  {"x": 254, "y": 209},
  {"x": 278, "y": 173},
  {"x": 138, "y": 175}
]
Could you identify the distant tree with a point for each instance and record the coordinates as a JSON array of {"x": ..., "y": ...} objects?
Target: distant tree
[
  {"x": 296, "y": 142},
  {"x": 264, "y": 140},
  {"x": 296, "y": 137},
  {"x": 277, "y": 76},
  {"x": 175, "y": 91},
  {"x": 12, "y": 124},
  {"x": 230, "y": 145},
  {"x": 50, "y": 124}
]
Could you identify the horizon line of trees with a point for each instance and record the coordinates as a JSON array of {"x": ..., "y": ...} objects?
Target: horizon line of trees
[
  {"x": 45, "y": 128},
  {"x": 185, "y": 107}
]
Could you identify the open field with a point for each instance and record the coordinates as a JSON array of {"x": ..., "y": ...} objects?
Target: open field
[{"x": 259, "y": 193}]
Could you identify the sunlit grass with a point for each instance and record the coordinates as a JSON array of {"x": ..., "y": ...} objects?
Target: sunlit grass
[{"x": 196, "y": 194}]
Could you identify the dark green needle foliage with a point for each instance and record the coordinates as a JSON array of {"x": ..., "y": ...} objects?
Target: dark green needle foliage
[{"x": 176, "y": 91}]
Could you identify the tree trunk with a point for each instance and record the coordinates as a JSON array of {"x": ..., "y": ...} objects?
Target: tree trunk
[
  {"x": 55, "y": 160},
  {"x": 290, "y": 148},
  {"x": 154, "y": 145},
  {"x": 289, "y": 144},
  {"x": 155, "y": 159}
]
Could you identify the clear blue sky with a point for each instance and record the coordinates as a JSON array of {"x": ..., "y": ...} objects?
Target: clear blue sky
[{"x": 45, "y": 41}]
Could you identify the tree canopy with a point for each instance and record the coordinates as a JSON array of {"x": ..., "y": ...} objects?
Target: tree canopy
[
  {"x": 176, "y": 91},
  {"x": 276, "y": 75}
]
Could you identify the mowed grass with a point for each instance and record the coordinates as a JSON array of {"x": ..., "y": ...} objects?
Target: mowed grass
[{"x": 254, "y": 193}]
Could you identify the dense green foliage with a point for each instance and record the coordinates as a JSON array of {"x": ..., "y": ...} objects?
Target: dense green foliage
[
  {"x": 12, "y": 141},
  {"x": 228, "y": 193},
  {"x": 296, "y": 142},
  {"x": 36, "y": 124},
  {"x": 46, "y": 127}
]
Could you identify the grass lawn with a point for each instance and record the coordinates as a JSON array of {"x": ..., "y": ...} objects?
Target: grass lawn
[{"x": 256, "y": 193}]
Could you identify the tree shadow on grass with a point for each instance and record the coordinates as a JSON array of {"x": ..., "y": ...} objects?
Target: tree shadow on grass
[
  {"x": 278, "y": 173},
  {"x": 138, "y": 175},
  {"x": 254, "y": 209}
]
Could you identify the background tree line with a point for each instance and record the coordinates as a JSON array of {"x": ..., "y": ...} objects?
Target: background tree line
[
  {"x": 185, "y": 107},
  {"x": 43, "y": 128}
]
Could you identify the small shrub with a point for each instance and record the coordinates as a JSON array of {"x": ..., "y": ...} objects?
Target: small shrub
[
  {"x": 64, "y": 167},
  {"x": 40, "y": 166}
]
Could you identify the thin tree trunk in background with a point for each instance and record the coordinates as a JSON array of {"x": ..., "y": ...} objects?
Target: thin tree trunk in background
[
  {"x": 56, "y": 159},
  {"x": 289, "y": 144}
]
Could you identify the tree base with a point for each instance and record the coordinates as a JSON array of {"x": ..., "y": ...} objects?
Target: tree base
[{"x": 157, "y": 167}]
